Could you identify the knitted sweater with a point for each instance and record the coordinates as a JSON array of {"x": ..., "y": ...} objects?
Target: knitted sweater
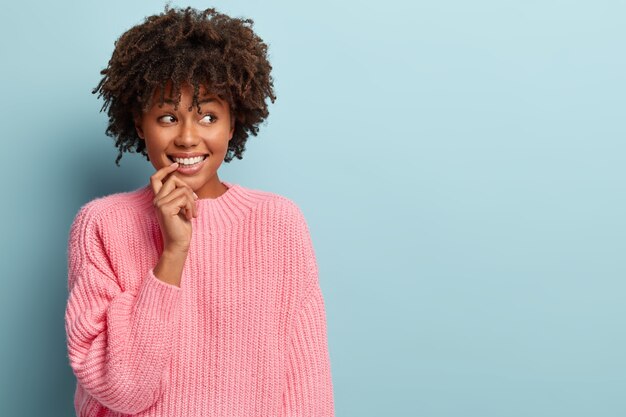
[{"x": 243, "y": 335}]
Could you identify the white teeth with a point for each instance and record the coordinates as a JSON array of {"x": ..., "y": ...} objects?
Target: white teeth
[{"x": 189, "y": 161}]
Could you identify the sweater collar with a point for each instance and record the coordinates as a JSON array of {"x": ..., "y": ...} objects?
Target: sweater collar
[{"x": 215, "y": 213}]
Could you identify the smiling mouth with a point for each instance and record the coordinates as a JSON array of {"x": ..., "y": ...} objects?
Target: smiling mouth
[{"x": 188, "y": 161}]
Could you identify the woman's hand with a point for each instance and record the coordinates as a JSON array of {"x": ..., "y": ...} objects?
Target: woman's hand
[{"x": 175, "y": 206}]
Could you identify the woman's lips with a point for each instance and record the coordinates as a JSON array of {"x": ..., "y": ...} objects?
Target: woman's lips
[{"x": 191, "y": 169}]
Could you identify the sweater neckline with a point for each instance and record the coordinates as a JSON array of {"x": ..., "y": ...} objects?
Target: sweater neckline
[
  {"x": 226, "y": 195},
  {"x": 218, "y": 212}
]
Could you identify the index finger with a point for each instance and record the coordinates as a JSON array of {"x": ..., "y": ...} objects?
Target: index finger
[{"x": 156, "y": 179}]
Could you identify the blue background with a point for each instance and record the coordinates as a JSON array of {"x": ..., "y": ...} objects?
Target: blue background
[{"x": 461, "y": 166}]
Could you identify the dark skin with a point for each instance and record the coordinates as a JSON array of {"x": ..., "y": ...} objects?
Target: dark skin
[
  {"x": 169, "y": 207},
  {"x": 169, "y": 131}
]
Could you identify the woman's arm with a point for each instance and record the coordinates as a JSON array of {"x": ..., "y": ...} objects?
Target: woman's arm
[
  {"x": 119, "y": 342},
  {"x": 308, "y": 391}
]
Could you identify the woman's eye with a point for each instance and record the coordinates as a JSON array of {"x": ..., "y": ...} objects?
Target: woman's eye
[
  {"x": 164, "y": 118},
  {"x": 207, "y": 116}
]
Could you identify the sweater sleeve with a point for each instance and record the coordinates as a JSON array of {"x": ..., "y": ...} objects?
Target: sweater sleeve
[
  {"x": 308, "y": 391},
  {"x": 119, "y": 341}
]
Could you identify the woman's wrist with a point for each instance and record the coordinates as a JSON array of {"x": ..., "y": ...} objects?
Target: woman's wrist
[
  {"x": 169, "y": 269},
  {"x": 176, "y": 250}
]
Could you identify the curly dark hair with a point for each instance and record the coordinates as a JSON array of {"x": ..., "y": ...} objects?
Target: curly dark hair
[{"x": 187, "y": 46}]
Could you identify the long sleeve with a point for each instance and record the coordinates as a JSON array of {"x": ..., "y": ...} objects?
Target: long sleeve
[
  {"x": 309, "y": 390},
  {"x": 119, "y": 340}
]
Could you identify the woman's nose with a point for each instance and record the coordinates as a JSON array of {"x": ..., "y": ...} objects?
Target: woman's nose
[{"x": 187, "y": 136}]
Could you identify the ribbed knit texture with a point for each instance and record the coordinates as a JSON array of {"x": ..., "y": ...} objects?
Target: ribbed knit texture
[{"x": 244, "y": 334}]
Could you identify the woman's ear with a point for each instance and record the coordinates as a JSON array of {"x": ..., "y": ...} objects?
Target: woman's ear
[
  {"x": 137, "y": 120},
  {"x": 232, "y": 126}
]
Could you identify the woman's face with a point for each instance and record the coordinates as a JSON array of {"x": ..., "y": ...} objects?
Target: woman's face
[{"x": 200, "y": 139}]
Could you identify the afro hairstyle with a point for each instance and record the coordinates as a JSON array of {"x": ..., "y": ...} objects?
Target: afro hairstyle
[{"x": 187, "y": 46}]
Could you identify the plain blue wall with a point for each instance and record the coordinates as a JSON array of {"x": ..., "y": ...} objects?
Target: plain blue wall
[{"x": 461, "y": 166}]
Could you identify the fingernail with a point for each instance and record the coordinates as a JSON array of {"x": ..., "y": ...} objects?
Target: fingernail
[
  {"x": 195, "y": 195},
  {"x": 175, "y": 163}
]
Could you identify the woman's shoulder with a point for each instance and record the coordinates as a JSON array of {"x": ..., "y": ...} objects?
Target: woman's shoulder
[
  {"x": 114, "y": 204},
  {"x": 286, "y": 208}
]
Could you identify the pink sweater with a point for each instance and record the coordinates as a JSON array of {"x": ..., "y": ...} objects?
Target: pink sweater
[{"x": 243, "y": 335}]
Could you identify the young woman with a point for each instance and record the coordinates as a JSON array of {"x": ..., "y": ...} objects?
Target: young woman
[{"x": 193, "y": 296}]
